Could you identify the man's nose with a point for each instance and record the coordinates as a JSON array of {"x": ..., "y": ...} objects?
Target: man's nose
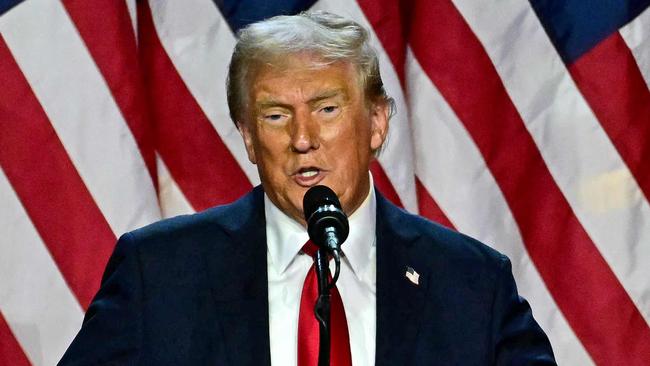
[{"x": 304, "y": 132}]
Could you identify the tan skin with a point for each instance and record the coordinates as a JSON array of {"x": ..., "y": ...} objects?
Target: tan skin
[{"x": 310, "y": 124}]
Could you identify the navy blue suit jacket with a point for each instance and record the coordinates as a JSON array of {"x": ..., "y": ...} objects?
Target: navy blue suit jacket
[{"x": 192, "y": 290}]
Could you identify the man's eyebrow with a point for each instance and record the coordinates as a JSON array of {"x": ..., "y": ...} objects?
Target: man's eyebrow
[
  {"x": 271, "y": 103},
  {"x": 328, "y": 94}
]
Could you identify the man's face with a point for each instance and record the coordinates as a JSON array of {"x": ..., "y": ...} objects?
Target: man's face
[{"x": 310, "y": 125}]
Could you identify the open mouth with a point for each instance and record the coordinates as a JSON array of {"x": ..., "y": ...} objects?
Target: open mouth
[
  {"x": 308, "y": 176},
  {"x": 308, "y": 172}
]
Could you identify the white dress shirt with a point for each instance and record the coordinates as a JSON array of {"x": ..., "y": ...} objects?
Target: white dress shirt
[{"x": 288, "y": 267}]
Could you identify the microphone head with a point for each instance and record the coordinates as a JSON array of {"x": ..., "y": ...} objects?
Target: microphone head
[{"x": 322, "y": 210}]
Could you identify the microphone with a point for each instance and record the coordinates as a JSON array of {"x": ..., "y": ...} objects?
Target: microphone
[
  {"x": 327, "y": 224},
  {"x": 328, "y": 228}
]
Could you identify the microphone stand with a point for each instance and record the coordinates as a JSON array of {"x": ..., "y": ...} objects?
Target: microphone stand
[
  {"x": 328, "y": 227},
  {"x": 322, "y": 308}
]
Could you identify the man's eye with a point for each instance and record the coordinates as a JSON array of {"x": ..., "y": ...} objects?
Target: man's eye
[
  {"x": 273, "y": 117},
  {"x": 330, "y": 109}
]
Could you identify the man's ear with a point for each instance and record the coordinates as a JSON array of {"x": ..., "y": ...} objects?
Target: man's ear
[
  {"x": 379, "y": 115},
  {"x": 247, "y": 136}
]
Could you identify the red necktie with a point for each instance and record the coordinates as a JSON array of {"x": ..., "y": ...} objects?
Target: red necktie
[{"x": 308, "y": 332}]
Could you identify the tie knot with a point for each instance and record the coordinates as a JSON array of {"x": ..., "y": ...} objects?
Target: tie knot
[{"x": 310, "y": 248}]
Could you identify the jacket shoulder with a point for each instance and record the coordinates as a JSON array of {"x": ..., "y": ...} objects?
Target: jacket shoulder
[
  {"x": 472, "y": 295},
  {"x": 433, "y": 239},
  {"x": 216, "y": 221}
]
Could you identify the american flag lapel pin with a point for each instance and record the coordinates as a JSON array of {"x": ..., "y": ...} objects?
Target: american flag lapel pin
[{"x": 412, "y": 275}]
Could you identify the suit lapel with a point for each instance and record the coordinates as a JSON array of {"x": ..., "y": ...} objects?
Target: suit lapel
[
  {"x": 398, "y": 298},
  {"x": 237, "y": 273}
]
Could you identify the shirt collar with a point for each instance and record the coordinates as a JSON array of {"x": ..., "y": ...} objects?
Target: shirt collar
[{"x": 285, "y": 236}]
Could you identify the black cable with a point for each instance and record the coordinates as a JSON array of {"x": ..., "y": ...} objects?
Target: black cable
[{"x": 337, "y": 268}]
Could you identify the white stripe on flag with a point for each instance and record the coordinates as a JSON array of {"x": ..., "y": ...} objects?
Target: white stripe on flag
[
  {"x": 453, "y": 171},
  {"x": 172, "y": 200},
  {"x": 637, "y": 37},
  {"x": 35, "y": 300},
  {"x": 580, "y": 156},
  {"x": 397, "y": 155},
  {"x": 199, "y": 41},
  {"x": 83, "y": 112},
  {"x": 133, "y": 13}
]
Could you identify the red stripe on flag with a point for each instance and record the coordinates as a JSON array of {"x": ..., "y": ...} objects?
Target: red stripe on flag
[
  {"x": 106, "y": 29},
  {"x": 428, "y": 207},
  {"x": 562, "y": 251},
  {"x": 10, "y": 351},
  {"x": 388, "y": 29},
  {"x": 387, "y": 20},
  {"x": 197, "y": 158},
  {"x": 48, "y": 185},
  {"x": 383, "y": 184},
  {"x": 613, "y": 85}
]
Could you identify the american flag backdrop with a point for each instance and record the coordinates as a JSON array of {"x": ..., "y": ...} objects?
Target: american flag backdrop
[{"x": 525, "y": 124}]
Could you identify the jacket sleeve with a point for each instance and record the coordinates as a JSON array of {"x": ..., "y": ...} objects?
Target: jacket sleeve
[
  {"x": 517, "y": 338},
  {"x": 112, "y": 327}
]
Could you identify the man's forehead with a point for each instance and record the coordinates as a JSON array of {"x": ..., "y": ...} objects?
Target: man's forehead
[
  {"x": 297, "y": 64},
  {"x": 310, "y": 81},
  {"x": 304, "y": 59}
]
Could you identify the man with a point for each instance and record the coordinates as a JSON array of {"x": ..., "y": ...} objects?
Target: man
[{"x": 225, "y": 286}]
